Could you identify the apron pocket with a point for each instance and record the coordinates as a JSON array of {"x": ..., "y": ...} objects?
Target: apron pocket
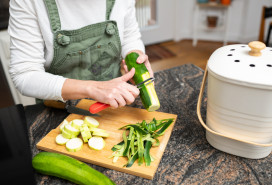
[
  {"x": 91, "y": 63},
  {"x": 104, "y": 62}
]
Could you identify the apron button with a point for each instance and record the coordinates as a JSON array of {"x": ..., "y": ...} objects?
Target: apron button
[
  {"x": 110, "y": 29},
  {"x": 63, "y": 40}
]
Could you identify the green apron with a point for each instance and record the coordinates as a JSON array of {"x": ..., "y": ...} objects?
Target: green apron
[{"x": 89, "y": 53}]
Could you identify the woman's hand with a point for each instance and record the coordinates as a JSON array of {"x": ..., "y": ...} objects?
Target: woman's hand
[
  {"x": 143, "y": 58},
  {"x": 116, "y": 92}
]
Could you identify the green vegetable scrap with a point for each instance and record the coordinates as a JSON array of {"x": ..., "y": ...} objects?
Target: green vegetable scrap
[{"x": 141, "y": 137}]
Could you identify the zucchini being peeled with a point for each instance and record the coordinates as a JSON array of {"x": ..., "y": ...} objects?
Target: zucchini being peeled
[
  {"x": 68, "y": 168},
  {"x": 148, "y": 93}
]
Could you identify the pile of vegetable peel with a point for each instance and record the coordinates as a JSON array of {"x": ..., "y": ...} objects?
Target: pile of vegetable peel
[{"x": 141, "y": 137}]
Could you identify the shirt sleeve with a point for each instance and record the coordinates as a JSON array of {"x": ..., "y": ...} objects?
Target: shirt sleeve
[
  {"x": 27, "y": 54},
  {"x": 132, "y": 35}
]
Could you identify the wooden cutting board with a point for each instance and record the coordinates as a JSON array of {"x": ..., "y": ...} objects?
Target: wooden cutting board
[{"x": 111, "y": 120}]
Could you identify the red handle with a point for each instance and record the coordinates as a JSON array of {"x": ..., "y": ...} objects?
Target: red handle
[{"x": 97, "y": 107}]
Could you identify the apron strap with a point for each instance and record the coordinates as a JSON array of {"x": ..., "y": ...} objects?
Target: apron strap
[
  {"x": 110, "y": 4},
  {"x": 53, "y": 13}
]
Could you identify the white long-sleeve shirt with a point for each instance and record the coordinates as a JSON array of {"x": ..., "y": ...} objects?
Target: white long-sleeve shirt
[{"x": 32, "y": 39}]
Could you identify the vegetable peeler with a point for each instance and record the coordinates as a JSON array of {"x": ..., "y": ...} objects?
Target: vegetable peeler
[{"x": 98, "y": 106}]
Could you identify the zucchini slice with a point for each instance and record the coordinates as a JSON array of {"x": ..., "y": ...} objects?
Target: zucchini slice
[
  {"x": 101, "y": 134},
  {"x": 61, "y": 140},
  {"x": 71, "y": 130},
  {"x": 76, "y": 123},
  {"x": 98, "y": 130},
  {"x": 65, "y": 122},
  {"x": 148, "y": 93},
  {"x": 85, "y": 133},
  {"x": 68, "y": 135},
  {"x": 91, "y": 122},
  {"x": 96, "y": 143},
  {"x": 74, "y": 145}
]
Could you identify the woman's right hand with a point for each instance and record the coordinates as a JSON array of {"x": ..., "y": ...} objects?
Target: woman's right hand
[{"x": 116, "y": 92}]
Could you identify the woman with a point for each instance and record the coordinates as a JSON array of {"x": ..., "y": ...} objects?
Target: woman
[{"x": 66, "y": 49}]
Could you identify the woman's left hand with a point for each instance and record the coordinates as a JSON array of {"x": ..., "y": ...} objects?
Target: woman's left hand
[{"x": 143, "y": 58}]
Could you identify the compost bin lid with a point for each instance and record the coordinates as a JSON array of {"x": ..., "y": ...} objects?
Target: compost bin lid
[{"x": 249, "y": 65}]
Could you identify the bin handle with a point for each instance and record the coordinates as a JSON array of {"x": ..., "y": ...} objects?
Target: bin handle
[{"x": 204, "y": 124}]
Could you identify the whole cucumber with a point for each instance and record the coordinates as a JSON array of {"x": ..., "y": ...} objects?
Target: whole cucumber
[{"x": 68, "y": 168}]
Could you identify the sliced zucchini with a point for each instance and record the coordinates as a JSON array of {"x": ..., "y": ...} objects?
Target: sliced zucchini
[
  {"x": 65, "y": 122},
  {"x": 97, "y": 130},
  {"x": 76, "y": 123},
  {"x": 61, "y": 140},
  {"x": 96, "y": 143},
  {"x": 67, "y": 134},
  {"x": 85, "y": 133},
  {"x": 101, "y": 134},
  {"x": 91, "y": 122},
  {"x": 71, "y": 130},
  {"x": 148, "y": 93},
  {"x": 74, "y": 145}
]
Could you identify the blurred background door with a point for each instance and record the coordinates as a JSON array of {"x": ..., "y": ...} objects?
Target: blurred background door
[{"x": 156, "y": 19}]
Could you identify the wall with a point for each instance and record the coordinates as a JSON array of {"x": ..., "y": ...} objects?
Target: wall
[
  {"x": 244, "y": 24},
  {"x": 251, "y": 27}
]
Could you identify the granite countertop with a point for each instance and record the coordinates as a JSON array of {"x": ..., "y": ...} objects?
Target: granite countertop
[{"x": 188, "y": 157}]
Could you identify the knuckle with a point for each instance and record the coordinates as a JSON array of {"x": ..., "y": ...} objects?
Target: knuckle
[
  {"x": 122, "y": 104},
  {"x": 114, "y": 91},
  {"x": 146, "y": 57},
  {"x": 122, "y": 86},
  {"x": 130, "y": 101},
  {"x": 109, "y": 97},
  {"x": 137, "y": 91},
  {"x": 114, "y": 105}
]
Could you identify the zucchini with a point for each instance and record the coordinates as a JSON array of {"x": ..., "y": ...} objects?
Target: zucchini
[
  {"x": 99, "y": 132},
  {"x": 148, "y": 93},
  {"x": 71, "y": 130},
  {"x": 85, "y": 132},
  {"x": 91, "y": 122},
  {"x": 74, "y": 145},
  {"x": 65, "y": 122},
  {"x": 67, "y": 134},
  {"x": 96, "y": 143},
  {"x": 76, "y": 123},
  {"x": 61, "y": 140},
  {"x": 68, "y": 168}
]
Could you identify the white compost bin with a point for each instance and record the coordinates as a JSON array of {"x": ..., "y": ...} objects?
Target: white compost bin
[{"x": 239, "y": 100}]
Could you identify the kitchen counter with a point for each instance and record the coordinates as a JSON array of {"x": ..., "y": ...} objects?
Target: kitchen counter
[{"x": 188, "y": 157}]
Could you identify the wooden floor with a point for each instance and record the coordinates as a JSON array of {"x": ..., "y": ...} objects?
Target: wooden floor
[{"x": 185, "y": 53}]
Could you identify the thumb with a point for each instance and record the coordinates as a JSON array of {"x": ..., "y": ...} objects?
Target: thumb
[{"x": 128, "y": 75}]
